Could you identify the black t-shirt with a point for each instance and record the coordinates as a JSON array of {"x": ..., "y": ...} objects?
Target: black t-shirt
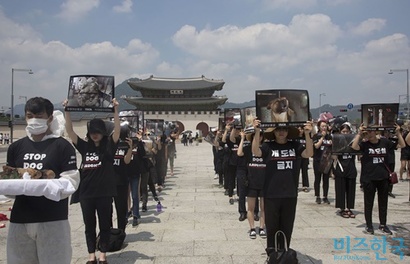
[
  {"x": 281, "y": 179},
  {"x": 233, "y": 146},
  {"x": 325, "y": 147},
  {"x": 137, "y": 166},
  {"x": 120, "y": 168},
  {"x": 55, "y": 154},
  {"x": 256, "y": 169},
  {"x": 348, "y": 165},
  {"x": 97, "y": 172},
  {"x": 374, "y": 159}
]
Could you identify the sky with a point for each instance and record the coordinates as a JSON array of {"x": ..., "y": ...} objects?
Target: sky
[{"x": 339, "y": 50}]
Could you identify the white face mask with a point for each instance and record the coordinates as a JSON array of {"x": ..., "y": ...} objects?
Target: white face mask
[{"x": 36, "y": 126}]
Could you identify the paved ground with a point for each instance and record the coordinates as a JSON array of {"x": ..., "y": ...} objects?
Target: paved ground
[{"x": 198, "y": 225}]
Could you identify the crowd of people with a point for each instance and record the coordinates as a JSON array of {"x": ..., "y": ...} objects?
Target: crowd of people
[
  {"x": 116, "y": 171},
  {"x": 266, "y": 168},
  {"x": 119, "y": 171},
  {"x": 4, "y": 138}
]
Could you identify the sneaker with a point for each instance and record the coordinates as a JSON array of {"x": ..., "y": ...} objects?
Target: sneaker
[
  {"x": 242, "y": 217},
  {"x": 391, "y": 195},
  {"x": 135, "y": 221},
  {"x": 156, "y": 198},
  {"x": 326, "y": 201},
  {"x": 226, "y": 192},
  {"x": 252, "y": 234},
  {"x": 318, "y": 200},
  {"x": 144, "y": 208},
  {"x": 369, "y": 230},
  {"x": 262, "y": 233},
  {"x": 385, "y": 229},
  {"x": 216, "y": 176}
]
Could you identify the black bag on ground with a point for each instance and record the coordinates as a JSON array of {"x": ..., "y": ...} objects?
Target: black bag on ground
[
  {"x": 287, "y": 256},
  {"x": 117, "y": 238}
]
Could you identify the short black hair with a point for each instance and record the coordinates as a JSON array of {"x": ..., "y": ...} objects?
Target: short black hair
[{"x": 38, "y": 105}]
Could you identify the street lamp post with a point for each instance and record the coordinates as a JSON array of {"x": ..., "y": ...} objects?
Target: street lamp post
[
  {"x": 407, "y": 79},
  {"x": 320, "y": 102},
  {"x": 12, "y": 99}
]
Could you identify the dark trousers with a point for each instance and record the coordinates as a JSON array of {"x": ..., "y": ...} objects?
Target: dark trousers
[
  {"x": 102, "y": 206},
  {"x": 318, "y": 177},
  {"x": 241, "y": 176},
  {"x": 161, "y": 170},
  {"x": 135, "y": 194},
  {"x": 231, "y": 178},
  {"x": 369, "y": 189},
  {"x": 279, "y": 215},
  {"x": 121, "y": 205},
  {"x": 144, "y": 187},
  {"x": 304, "y": 169},
  {"x": 345, "y": 189},
  {"x": 225, "y": 169}
]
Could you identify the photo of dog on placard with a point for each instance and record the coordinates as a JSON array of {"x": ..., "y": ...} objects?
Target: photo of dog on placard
[
  {"x": 87, "y": 93},
  {"x": 379, "y": 116},
  {"x": 283, "y": 107},
  {"x": 248, "y": 115},
  {"x": 233, "y": 116}
]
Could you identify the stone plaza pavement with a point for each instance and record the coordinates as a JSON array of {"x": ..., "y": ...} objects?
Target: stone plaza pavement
[{"x": 198, "y": 225}]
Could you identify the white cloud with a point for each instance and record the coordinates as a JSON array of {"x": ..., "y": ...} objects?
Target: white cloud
[
  {"x": 369, "y": 26},
  {"x": 307, "y": 37},
  {"x": 72, "y": 10},
  {"x": 125, "y": 7}
]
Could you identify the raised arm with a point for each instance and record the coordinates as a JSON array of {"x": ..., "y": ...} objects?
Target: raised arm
[
  {"x": 308, "y": 152},
  {"x": 128, "y": 155},
  {"x": 358, "y": 137},
  {"x": 400, "y": 143},
  {"x": 69, "y": 125},
  {"x": 117, "y": 126},
  {"x": 256, "y": 150},
  {"x": 225, "y": 134},
  {"x": 240, "y": 147}
]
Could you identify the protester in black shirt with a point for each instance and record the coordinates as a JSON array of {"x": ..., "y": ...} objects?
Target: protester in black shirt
[
  {"x": 322, "y": 160},
  {"x": 345, "y": 179},
  {"x": 375, "y": 173},
  {"x": 281, "y": 178},
  {"x": 97, "y": 187},
  {"x": 39, "y": 231}
]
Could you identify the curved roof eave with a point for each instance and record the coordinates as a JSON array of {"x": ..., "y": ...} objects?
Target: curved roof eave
[{"x": 176, "y": 83}]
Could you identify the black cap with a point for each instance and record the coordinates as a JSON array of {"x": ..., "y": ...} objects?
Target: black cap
[{"x": 97, "y": 126}]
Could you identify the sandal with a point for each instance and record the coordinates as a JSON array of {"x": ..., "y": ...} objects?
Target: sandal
[
  {"x": 351, "y": 214},
  {"x": 345, "y": 214}
]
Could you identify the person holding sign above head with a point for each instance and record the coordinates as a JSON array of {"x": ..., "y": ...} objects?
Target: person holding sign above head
[
  {"x": 375, "y": 172},
  {"x": 97, "y": 186},
  {"x": 281, "y": 179}
]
